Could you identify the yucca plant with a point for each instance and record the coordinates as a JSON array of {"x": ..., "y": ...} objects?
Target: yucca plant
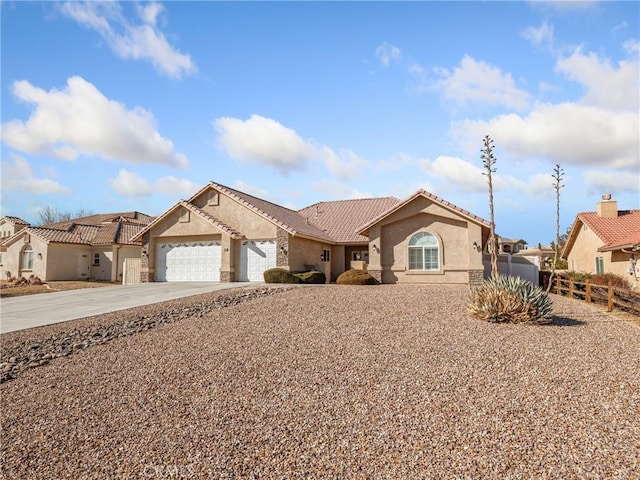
[{"x": 505, "y": 299}]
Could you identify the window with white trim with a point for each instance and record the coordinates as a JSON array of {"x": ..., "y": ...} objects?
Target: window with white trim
[
  {"x": 96, "y": 259},
  {"x": 424, "y": 252},
  {"x": 27, "y": 258},
  {"x": 599, "y": 265}
]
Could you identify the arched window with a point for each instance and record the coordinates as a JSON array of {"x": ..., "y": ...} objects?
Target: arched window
[
  {"x": 424, "y": 252},
  {"x": 27, "y": 258}
]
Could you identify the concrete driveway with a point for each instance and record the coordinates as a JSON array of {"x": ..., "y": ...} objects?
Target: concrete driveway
[{"x": 18, "y": 313}]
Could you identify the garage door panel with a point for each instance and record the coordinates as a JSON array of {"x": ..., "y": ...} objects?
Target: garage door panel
[
  {"x": 256, "y": 257},
  {"x": 188, "y": 262}
]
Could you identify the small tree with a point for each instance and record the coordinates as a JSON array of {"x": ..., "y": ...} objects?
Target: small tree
[
  {"x": 488, "y": 160},
  {"x": 558, "y": 176}
]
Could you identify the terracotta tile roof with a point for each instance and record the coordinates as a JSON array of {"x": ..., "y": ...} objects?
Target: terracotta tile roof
[
  {"x": 431, "y": 196},
  {"x": 56, "y": 236},
  {"x": 100, "y": 218},
  {"x": 289, "y": 220},
  {"x": 211, "y": 219},
  {"x": 341, "y": 219},
  {"x": 16, "y": 220},
  {"x": 619, "y": 231}
]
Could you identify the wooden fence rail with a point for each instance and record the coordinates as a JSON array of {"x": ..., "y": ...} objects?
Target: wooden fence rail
[{"x": 614, "y": 297}]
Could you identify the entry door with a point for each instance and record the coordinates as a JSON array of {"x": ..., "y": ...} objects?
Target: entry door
[
  {"x": 84, "y": 265},
  {"x": 256, "y": 256}
]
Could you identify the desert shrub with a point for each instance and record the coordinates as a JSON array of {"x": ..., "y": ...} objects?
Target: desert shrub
[
  {"x": 356, "y": 277},
  {"x": 280, "y": 275},
  {"x": 616, "y": 280},
  {"x": 505, "y": 299},
  {"x": 312, "y": 277},
  {"x": 602, "y": 279}
]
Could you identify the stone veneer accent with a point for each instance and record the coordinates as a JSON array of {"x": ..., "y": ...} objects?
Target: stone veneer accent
[
  {"x": 144, "y": 264},
  {"x": 226, "y": 277},
  {"x": 475, "y": 277},
  {"x": 377, "y": 274},
  {"x": 282, "y": 241}
]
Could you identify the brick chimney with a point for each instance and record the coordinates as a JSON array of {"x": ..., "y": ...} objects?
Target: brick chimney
[{"x": 607, "y": 208}]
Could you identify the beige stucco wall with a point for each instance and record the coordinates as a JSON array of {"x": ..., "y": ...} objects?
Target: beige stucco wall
[
  {"x": 304, "y": 253},
  {"x": 120, "y": 253},
  {"x": 8, "y": 228},
  {"x": 582, "y": 257},
  {"x": 64, "y": 262},
  {"x": 583, "y": 253},
  {"x": 12, "y": 256},
  {"x": 455, "y": 234}
]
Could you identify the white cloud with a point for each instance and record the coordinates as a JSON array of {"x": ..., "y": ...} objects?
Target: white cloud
[
  {"x": 143, "y": 41},
  {"x": 599, "y": 182},
  {"x": 19, "y": 176},
  {"x": 542, "y": 35},
  {"x": 133, "y": 185},
  {"x": 261, "y": 140},
  {"x": 478, "y": 82},
  {"x": 607, "y": 86},
  {"x": 255, "y": 191},
  {"x": 562, "y": 133},
  {"x": 339, "y": 190},
  {"x": 80, "y": 120},
  {"x": 388, "y": 53},
  {"x": 456, "y": 171}
]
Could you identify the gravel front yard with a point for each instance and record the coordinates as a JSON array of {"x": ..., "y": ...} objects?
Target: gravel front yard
[{"x": 331, "y": 382}]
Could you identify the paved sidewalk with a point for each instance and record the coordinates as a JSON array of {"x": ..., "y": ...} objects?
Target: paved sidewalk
[{"x": 18, "y": 313}]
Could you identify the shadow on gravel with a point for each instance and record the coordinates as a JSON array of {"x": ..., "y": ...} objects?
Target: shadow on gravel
[{"x": 557, "y": 321}]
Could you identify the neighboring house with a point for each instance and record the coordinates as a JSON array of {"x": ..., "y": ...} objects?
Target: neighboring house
[
  {"x": 222, "y": 234},
  {"x": 9, "y": 226},
  {"x": 544, "y": 254},
  {"x": 510, "y": 245},
  {"x": 92, "y": 247},
  {"x": 605, "y": 241}
]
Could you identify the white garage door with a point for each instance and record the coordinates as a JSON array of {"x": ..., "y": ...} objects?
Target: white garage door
[
  {"x": 188, "y": 262},
  {"x": 256, "y": 257}
]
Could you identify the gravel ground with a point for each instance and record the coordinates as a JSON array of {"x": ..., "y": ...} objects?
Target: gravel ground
[{"x": 331, "y": 382}]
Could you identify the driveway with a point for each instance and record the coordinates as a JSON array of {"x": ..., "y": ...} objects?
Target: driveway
[{"x": 30, "y": 311}]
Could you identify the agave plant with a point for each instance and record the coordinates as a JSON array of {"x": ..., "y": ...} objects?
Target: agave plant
[{"x": 505, "y": 299}]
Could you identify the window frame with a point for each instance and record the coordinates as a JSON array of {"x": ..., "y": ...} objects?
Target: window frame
[
  {"x": 600, "y": 265},
  {"x": 96, "y": 260},
  {"x": 430, "y": 254},
  {"x": 26, "y": 257}
]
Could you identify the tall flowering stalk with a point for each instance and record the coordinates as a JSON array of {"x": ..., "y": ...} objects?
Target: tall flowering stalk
[{"x": 488, "y": 160}]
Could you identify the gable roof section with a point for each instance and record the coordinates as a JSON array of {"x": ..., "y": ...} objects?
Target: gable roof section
[
  {"x": 440, "y": 201},
  {"x": 289, "y": 220},
  {"x": 615, "y": 233},
  {"x": 15, "y": 220},
  {"x": 191, "y": 207},
  {"x": 341, "y": 219}
]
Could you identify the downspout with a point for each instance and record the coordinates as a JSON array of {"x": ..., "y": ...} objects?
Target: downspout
[{"x": 117, "y": 261}]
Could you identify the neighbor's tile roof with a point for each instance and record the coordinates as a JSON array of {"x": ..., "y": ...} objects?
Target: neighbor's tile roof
[
  {"x": 16, "y": 220},
  {"x": 100, "y": 218},
  {"x": 287, "y": 219},
  {"x": 341, "y": 219},
  {"x": 56, "y": 236},
  {"x": 620, "y": 231}
]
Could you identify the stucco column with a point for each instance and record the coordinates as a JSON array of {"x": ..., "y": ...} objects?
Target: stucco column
[
  {"x": 375, "y": 253},
  {"x": 227, "y": 268}
]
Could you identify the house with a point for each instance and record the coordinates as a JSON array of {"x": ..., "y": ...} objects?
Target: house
[
  {"x": 92, "y": 247},
  {"x": 605, "y": 241},
  {"x": 223, "y": 234},
  {"x": 10, "y": 225},
  {"x": 510, "y": 245}
]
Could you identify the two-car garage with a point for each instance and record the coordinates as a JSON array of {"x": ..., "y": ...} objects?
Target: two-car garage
[{"x": 201, "y": 261}]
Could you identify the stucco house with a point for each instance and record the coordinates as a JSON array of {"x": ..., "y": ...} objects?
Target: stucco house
[
  {"x": 605, "y": 241},
  {"x": 511, "y": 245},
  {"x": 223, "y": 234},
  {"x": 92, "y": 247}
]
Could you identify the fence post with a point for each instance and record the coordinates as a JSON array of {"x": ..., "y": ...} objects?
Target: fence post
[
  {"x": 558, "y": 281},
  {"x": 587, "y": 296},
  {"x": 610, "y": 298},
  {"x": 571, "y": 289}
]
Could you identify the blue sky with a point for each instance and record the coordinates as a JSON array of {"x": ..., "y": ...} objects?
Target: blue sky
[{"x": 133, "y": 106}]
